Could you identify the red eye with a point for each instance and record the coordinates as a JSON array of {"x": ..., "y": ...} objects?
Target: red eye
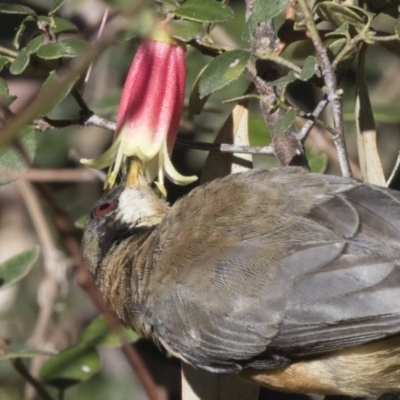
[{"x": 104, "y": 208}]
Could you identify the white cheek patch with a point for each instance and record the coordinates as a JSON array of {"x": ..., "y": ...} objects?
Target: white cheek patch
[{"x": 137, "y": 208}]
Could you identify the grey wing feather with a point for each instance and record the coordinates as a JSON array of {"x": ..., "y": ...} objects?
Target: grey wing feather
[
  {"x": 356, "y": 298},
  {"x": 336, "y": 286}
]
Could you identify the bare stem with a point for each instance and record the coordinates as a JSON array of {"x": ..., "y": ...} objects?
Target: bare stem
[
  {"x": 333, "y": 94},
  {"x": 225, "y": 147}
]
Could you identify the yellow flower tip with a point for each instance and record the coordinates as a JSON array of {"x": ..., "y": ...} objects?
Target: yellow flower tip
[
  {"x": 161, "y": 188},
  {"x": 87, "y": 161},
  {"x": 135, "y": 174},
  {"x": 109, "y": 183},
  {"x": 172, "y": 174}
]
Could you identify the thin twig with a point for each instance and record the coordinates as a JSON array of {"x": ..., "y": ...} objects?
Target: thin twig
[
  {"x": 333, "y": 94},
  {"x": 395, "y": 172},
  {"x": 225, "y": 148},
  {"x": 305, "y": 130},
  {"x": 287, "y": 148},
  {"x": 46, "y": 124},
  {"x": 50, "y": 175}
]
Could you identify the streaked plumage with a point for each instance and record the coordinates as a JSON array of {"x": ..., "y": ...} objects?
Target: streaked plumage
[{"x": 264, "y": 270}]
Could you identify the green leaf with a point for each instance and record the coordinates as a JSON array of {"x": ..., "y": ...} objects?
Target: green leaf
[
  {"x": 4, "y": 92},
  {"x": 223, "y": 70},
  {"x": 56, "y": 25},
  {"x": 61, "y": 95},
  {"x": 342, "y": 31},
  {"x": 316, "y": 161},
  {"x": 204, "y": 11},
  {"x": 34, "y": 45},
  {"x": 71, "y": 366},
  {"x": 310, "y": 66},
  {"x": 184, "y": 30},
  {"x": 21, "y": 29},
  {"x": 196, "y": 103},
  {"x": 57, "y": 4},
  {"x": 285, "y": 80},
  {"x": 397, "y": 30},
  {"x": 16, "y": 351},
  {"x": 65, "y": 48},
  {"x": 62, "y": 25},
  {"x": 12, "y": 161},
  {"x": 17, "y": 267},
  {"x": 262, "y": 11},
  {"x": 20, "y": 63},
  {"x": 335, "y": 48},
  {"x": 3, "y": 63},
  {"x": 98, "y": 333},
  {"x": 15, "y": 9},
  {"x": 339, "y": 14},
  {"x": 284, "y": 123},
  {"x": 80, "y": 222}
]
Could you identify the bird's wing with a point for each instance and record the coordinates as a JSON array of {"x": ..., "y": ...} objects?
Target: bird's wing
[
  {"x": 356, "y": 298},
  {"x": 243, "y": 268}
]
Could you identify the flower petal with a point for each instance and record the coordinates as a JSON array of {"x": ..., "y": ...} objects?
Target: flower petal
[
  {"x": 172, "y": 174},
  {"x": 105, "y": 159},
  {"x": 152, "y": 99}
]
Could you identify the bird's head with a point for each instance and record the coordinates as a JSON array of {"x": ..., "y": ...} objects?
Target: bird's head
[{"x": 122, "y": 213}]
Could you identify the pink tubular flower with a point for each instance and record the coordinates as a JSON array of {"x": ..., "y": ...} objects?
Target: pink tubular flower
[{"x": 150, "y": 110}]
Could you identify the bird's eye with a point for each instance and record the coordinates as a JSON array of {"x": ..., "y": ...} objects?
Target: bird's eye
[{"x": 104, "y": 208}]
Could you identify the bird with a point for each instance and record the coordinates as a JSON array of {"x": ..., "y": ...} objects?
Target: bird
[{"x": 287, "y": 278}]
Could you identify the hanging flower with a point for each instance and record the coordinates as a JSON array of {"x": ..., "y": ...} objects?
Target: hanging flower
[{"x": 149, "y": 112}]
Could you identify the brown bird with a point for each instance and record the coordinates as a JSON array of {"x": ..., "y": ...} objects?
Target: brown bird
[{"x": 288, "y": 278}]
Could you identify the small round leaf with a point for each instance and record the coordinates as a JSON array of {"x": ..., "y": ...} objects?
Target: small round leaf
[
  {"x": 316, "y": 161},
  {"x": 284, "y": 123},
  {"x": 196, "y": 103},
  {"x": 18, "y": 351},
  {"x": 66, "y": 48},
  {"x": 62, "y": 25},
  {"x": 284, "y": 80},
  {"x": 204, "y": 11},
  {"x": 338, "y": 14},
  {"x": 223, "y": 70},
  {"x": 71, "y": 366},
  {"x": 98, "y": 333},
  {"x": 397, "y": 30},
  {"x": 3, "y": 63},
  {"x": 184, "y": 30},
  {"x": 20, "y": 63},
  {"x": 310, "y": 66},
  {"x": 12, "y": 164},
  {"x": 262, "y": 11},
  {"x": 15, "y": 9},
  {"x": 61, "y": 95},
  {"x": 4, "y": 92},
  {"x": 17, "y": 267},
  {"x": 57, "y": 4}
]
